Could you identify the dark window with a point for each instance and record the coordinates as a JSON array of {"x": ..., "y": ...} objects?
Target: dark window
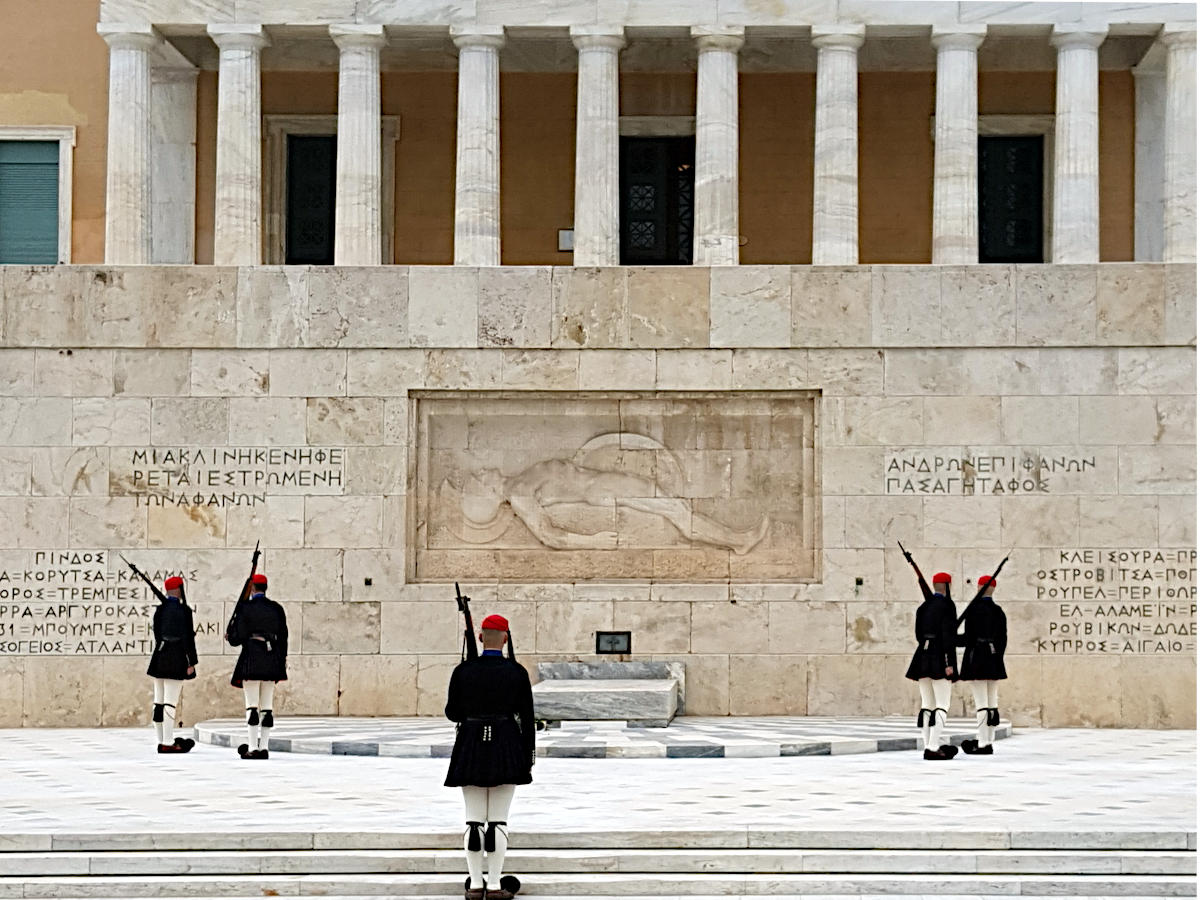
[
  {"x": 657, "y": 185},
  {"x": 29, "y": 202},
  {"x": 1010, "y": 199},
  {"x": 311, "y": 175}
]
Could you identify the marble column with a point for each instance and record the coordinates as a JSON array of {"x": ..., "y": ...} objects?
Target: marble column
[
  {"x": 127, "y": 211},
  {"x": 237, "y": 226},
  {"x": 358, "y": 224},
  {"x": 835, "y": 146},
  {"x": 956, "y": 146},
  {"x": 477, "y": 155},
  {"x": 716, "y": 205},
  {"x": 597, "y": 147},
  {"x": 1150, "y": 103},
  {"x": 1076, "y": 237},
  {"x": 1179, "y": 213},
  {"x": 173, "y": 165}
]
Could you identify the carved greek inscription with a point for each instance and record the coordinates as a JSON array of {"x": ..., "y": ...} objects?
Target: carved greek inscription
[
  {"x": 225, "y": 476},
  {"x": 1119, "y": 602},
  {"x": 983, "y": 474},
  {"x": 83, "y": 603}
]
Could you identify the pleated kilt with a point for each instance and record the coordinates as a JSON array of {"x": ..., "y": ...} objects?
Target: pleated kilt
[{"x": 487, "y": 753}]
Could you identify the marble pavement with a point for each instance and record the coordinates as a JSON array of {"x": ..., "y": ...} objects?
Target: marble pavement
[{"x": 1055, "y": 782}]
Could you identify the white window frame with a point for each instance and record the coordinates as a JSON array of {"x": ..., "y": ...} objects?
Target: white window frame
[
  {"x": 65, "y": 135},
  {"x": 276, "y": 130}
]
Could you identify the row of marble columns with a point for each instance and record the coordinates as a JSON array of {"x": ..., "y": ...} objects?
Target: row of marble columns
[{"x": 237, "y": 240}]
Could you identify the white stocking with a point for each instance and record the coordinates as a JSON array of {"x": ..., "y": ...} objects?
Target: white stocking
[
  {"x": 172, "y": 689},
  {"x": 252, "y": 690},
  {"x": 266, "y": 702},
  {"x": 499, "y": 801},
  {"x": 158, "y": 699},
  {"x": 475, "y": 799},
  {"x": 941, "y": 699},
  {"x": 927, "y": 703},
  {"x": 993, "y": 696},
  {"x": 979, "y": 693}
]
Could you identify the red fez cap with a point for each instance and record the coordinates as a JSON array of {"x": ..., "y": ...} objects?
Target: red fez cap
[
  {"x": 494, "y": 623},
  {"x": 985, "y": 580},
  {"x": 173, "y": 582},
  {"x": 941, "y": 578},
  {"x": 259, "y": 579}
]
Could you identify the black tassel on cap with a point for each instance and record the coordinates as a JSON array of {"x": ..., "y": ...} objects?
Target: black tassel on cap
[{"x": 511, "y": 655}]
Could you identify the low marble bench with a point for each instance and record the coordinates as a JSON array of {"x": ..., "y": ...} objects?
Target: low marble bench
[{"x": 643, "y": 694}]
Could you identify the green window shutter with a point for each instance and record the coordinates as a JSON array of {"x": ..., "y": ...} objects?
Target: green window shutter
[{"x": 29, "y": 202}]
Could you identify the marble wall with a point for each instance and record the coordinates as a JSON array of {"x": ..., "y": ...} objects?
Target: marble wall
[{"x": 178, "y": 414}]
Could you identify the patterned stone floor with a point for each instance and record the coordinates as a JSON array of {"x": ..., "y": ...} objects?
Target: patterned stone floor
[
  {"x": 1056, "y": 782},
  {"x": 686, "y": 737}
]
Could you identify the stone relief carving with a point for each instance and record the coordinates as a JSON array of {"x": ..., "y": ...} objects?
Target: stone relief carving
[
  {"x": 688, "y": 486},
  {"x": 533, "y": 494}
]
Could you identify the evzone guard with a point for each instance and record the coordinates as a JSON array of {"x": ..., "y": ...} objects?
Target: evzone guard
[
  {"x": 491, "y": 703},
  {"x": 259, "y": 626},
  {"x": 934, "y": 665},
  {"x": 984, "y": 637},
  {"x": 173, "y": 660}
]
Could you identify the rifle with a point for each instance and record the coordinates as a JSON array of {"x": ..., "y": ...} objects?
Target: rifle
[
  {"x": 142, "y": 575},
  {"x": 911, "y": 562},
  {"x": 979, "y": 593},
  {"x": 469, "y": 650},
  {"x": 245, "y": 590},
  {"x": 920, "y": 578}
]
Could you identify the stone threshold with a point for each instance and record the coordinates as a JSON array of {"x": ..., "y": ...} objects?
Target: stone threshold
[{"x": 687, "y": 738}]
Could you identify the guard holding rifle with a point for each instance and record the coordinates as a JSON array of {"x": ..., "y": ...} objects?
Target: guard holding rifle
[
  {"x": 985, "y": 637},
  {"x": 491, "y": 702},
  {"x": 259, "y": 626},
  {"x": 934, "y": 665},
  {"x": 173, "y": 660}
]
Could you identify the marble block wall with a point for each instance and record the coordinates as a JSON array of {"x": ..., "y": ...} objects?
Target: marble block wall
[{"x": 178, "y": 414}]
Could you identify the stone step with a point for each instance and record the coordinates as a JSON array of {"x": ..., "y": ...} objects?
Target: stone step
[
  {"x": 646, "y": 897},
  {"x": 645, "y": 701},
  {"x": 449, "y": 862},
  {"x": 615, "y": 885},
  {"x": 631, "y": 839}
]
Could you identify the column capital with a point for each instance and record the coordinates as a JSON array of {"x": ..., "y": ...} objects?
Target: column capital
[
  {"x": 958, "y": 37},
  {"x": 358, "y": 37},
  {"x": 598, "y": 37},
  {"x": 478, "y": 36},
  {"x": 128, "y": 37},
  {"x": 1067, "y": 37},
  {"x": 721, "y": 37},
  {"x": 1178, "y": 34},
  {"x": 841, "y": 37},
  {"x": 238, "y": 37}
]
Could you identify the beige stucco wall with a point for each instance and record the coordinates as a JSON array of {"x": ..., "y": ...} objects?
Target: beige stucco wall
[
  {"x": 537, "y": 145},
  {"x": 36, "y": 88},
  {"x": 1009, "y": 363}
]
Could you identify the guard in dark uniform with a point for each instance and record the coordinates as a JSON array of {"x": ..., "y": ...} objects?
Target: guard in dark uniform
[
  {"x": 491, "y": 702},
  {"x": 934, "y": 665},
  {"x": 172, "y": 662},
  {"x": 985, "y": 636},
  {"x": 259, "y": 627}
]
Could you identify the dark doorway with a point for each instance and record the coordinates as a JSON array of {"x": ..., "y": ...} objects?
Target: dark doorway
[
  {"x": 1010, "y": 199},
  {"x": 311, "y": 175},
  {"x": 657, "y": 186}
]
